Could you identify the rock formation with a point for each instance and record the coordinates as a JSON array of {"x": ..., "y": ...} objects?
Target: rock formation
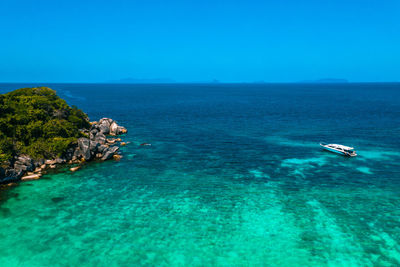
[{"x": 94, "y": 146}]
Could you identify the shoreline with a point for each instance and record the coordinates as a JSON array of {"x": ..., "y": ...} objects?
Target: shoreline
[{"x": 98, "y": 144}]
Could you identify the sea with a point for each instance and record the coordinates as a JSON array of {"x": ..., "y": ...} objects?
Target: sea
[{"x": 235, "y": 176}]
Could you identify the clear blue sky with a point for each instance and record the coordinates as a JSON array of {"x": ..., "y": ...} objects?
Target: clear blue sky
[{"x": 275, "y": 41}]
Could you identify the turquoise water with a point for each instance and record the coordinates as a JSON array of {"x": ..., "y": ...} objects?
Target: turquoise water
[{"x": 235, "y": 177}]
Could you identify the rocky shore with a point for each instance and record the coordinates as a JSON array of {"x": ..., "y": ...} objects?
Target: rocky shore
[{"x": 99, "y": 144}]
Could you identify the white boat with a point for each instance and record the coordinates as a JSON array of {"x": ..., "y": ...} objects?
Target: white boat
[{"x": 340, "y": 149}]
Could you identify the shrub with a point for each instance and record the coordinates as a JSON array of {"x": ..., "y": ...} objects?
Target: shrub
[{"x": 35, "y": 121}]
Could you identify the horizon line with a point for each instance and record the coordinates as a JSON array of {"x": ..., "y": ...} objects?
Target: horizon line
[{"x": 214, "y": 83}]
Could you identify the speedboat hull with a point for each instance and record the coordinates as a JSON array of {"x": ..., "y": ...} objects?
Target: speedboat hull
[{"x": 339, "y": 149}]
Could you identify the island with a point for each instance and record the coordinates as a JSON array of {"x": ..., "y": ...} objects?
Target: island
[{"x": 39, "y": 131}]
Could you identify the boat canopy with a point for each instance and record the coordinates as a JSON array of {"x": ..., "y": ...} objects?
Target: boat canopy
[{"x": 340, "y": 146}]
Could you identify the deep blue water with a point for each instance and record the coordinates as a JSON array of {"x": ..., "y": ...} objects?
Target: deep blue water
[{"x": 235, "y": 176}]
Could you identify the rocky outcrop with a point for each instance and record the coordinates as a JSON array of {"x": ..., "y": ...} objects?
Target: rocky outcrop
[
  {"x": 13, "y": 171},
  {"x": 109, "y": 126},
  {"x": 94, "y": 146},
  {"x": 8, "y": 175}
]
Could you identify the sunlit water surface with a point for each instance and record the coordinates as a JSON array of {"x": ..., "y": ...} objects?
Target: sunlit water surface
[{"x": 235, "y": 177}]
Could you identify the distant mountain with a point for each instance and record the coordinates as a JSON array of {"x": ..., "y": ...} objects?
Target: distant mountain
[
  {"x": 326, "y": 80},
  {"x": 205, "y": 81},
  {"x": 132, "y": 80}
]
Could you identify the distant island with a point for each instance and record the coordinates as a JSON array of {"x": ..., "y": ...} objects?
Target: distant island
[
  {"x": 142, "y": 81},
  {"x": 326, "y": 80},
  {"x": 39, "y": 130}
]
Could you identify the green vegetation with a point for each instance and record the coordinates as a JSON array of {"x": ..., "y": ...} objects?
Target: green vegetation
[{"x": 36, "y": 122}]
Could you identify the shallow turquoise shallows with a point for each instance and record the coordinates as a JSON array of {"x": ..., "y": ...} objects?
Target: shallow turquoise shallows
[{"x": 235, "y": 176}]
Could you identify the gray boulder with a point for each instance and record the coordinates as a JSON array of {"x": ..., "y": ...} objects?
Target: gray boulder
[
  {"x": 107, "y": 154},
  {"x": 20, "y": 167},
  {"x": 12, "y": 175},
  {"x": 114, "y": 149},
  {"x": 94, "y": 146},
  {"x": 92, "y": 134},
  {"x": 104, "y": 125},
  {"x": 24, "y": 160},
  {"x": 121, "y": 130},
  {"x": 109, "y": 126},
  {"x": 114, "y": 128},
  {"x": 102, "y": 148},
  {"x": 84, "y": 147},
  {"x": 60, "y": 160},
  {"x": 100, "y": 138},
  {"x": 106, "y": 121},
  {"x": 24, "y": 163},
  {"x": 104, "y": 128}
]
